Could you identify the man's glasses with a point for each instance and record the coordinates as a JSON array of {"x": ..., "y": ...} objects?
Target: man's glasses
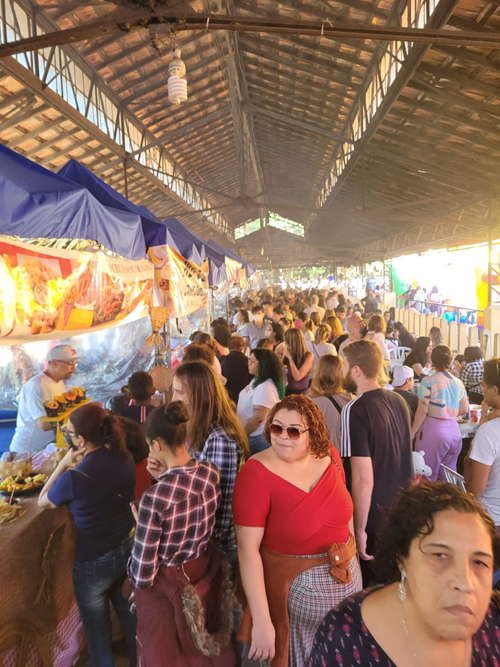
[
  {"x": 293, "y": 432},
  {"x": 73, "y": 364}
]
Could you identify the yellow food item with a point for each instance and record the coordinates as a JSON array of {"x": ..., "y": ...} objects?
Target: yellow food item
[{"x": 10, "y": 512}]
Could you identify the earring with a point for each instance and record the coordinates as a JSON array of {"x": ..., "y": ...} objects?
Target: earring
[{"x": 401, "y": 587}]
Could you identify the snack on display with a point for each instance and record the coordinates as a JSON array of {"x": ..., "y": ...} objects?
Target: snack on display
[
  {"x": 81, "y": 394},
  {"x": 9, "y": 513},
  {"x": 63, "y": 403},
  {"x": 70, "y": 397},
  {"x": 22, "y": 485},
  {"x": 15, "y": 464},
  {"x": 51, "y": 408}
]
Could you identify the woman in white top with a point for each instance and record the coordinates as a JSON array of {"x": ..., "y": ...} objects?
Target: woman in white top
[
  {"x": 242, "y": 319},
  {"x": 258, "y": 397},
  {"x": 321, "y": 346},
  {"x": 376, "y": 333}
]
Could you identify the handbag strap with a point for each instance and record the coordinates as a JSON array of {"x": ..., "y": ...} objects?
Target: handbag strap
[
  {"x": 98, "y": 481},
  {"x": 334, "y": 403}
]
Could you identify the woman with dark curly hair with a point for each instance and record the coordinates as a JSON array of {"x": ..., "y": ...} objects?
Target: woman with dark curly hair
[
  {"x": 259, "y": 396},
  {"x": 436, "y": 554},
  {"x": 293, "y": 517}
]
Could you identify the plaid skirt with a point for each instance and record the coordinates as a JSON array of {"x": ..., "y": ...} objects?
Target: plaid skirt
[{"x": 312, "y": 595}]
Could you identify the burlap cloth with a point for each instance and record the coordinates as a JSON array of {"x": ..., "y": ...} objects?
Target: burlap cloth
[{"x": 22, "y": 545}]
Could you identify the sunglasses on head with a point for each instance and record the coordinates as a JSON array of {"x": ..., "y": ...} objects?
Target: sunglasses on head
[{"x": 293, "y": 432}]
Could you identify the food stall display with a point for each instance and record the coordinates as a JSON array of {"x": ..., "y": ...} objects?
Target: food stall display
[
  {"x": 55, "y": 293},
  {"x": 59, "y": 411}
]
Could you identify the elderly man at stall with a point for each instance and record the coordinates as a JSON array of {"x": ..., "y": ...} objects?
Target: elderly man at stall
[{"x": 32, "y": 434}]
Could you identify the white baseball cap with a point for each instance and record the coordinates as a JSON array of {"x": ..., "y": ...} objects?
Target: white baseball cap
[
  {"x": 401, "y": 374},
  {"x": 62, "y": 353}
]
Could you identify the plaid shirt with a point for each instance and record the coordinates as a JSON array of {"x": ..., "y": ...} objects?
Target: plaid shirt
[
  {"x": 176, "y": 520},
  {"x": 220, "y": 449},
  {"x": 472, "y": 375}
]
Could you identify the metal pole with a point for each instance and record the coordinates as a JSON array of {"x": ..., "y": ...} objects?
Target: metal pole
[
  {"x": 169, "y": 344},
  {"x": 490, "y": 267},
  {"x": 208, "y": 310}
]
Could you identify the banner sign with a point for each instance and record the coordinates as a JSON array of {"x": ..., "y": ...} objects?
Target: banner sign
[
  {"x": 49, "y": 293},
  {"x": 180, "y": 285},
  {"x": 233, "y": 269}
]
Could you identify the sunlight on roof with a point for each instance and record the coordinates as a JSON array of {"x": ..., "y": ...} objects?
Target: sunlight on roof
[{"x": 275, "y": 220}]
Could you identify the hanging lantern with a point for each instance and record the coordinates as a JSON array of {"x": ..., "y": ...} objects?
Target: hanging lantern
[{"x": 177, "y": 85}]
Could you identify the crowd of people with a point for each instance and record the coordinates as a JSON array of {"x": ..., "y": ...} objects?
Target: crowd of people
[{"x": 249, "y": 516}]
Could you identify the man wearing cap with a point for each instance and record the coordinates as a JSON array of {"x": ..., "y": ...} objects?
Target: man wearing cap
[
  {"x": 32, "y": 435},
  {"x": 403, "y": 385}
]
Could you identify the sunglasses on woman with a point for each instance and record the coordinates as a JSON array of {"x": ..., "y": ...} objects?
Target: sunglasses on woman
[{"x": 293, "y": 432}]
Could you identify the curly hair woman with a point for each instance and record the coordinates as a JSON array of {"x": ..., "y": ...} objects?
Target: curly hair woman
[
  {"x": 260, "y": 395},
  {"x": 436, "y": 555},
  {"x": 293, "y": 514}
]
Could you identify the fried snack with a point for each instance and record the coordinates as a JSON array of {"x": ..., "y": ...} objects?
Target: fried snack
[
  {"x": 80, "y": 392},
  {"x": 70, "y": 397},
  {"x": 10, "y": 512},
  {"x": 63, "y": 403},
  {"x": 51, "y": 408}
]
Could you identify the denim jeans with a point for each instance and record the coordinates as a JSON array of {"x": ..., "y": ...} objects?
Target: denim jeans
[
  {"x": 96, "y": 584},
  {"x": 257, "y": 443}
]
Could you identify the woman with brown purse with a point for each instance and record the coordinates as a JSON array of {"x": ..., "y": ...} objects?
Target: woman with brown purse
[{"x": 293, "y": 517}]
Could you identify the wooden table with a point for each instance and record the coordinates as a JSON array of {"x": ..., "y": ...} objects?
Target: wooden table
[{"x": 22, "y": 547}]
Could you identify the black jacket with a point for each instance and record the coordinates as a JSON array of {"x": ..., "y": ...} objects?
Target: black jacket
[{"x": 234, "y": 368}]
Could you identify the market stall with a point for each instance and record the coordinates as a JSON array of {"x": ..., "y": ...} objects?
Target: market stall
[{"x": 83, "y": 269}]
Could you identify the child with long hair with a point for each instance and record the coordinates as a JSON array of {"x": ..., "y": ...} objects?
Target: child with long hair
[{"x": 181, "y": 581}]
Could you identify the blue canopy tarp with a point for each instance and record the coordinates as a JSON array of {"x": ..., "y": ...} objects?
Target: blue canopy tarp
[
  {"x": 232, "y": 255},
  {"x": 194, "y": 248},
  {"x": 36, "y": 203},
  {"x": 155, "y": 232}
]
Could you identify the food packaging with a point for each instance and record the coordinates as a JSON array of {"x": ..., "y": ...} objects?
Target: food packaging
[{"x": 13, "y": 465}]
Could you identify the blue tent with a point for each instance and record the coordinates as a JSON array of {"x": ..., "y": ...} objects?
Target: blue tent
[
  {"x": 36, "y": 203},
  {"x": 155, "y": 232},
  {"x": 232, "y": 255}
]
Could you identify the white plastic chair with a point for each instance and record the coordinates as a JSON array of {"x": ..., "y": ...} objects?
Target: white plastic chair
[
  {"x": 397, "y": 356},
  {"x": 452, "y": 477}
]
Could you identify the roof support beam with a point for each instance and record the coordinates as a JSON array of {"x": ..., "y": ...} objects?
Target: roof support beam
[
  {"x": 363, "y": 121},
  {"x": 333, "y": 136},
  {"x": 53, "y": 100},
  {"x": 246, "y": 142},
  {"x": 163, "y": 20},
  {"x": 169, "y": 136}
]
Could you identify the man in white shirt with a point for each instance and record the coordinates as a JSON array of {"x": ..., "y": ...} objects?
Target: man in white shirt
[
  {"x": 482, "y": 465},
  {"x": 355, "y": 326},
  {"x": 255, "y": 330},
  {"x": 31, "y": 434},
  {"x": 332, "y": 302},
  {"x": 314, "y": 308}
]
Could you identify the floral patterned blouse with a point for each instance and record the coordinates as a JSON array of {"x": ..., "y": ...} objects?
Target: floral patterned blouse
[{"x": 343, "y": 640}]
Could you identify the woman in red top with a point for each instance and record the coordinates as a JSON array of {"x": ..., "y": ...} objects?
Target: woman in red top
[{"x": 293, "y": 517}]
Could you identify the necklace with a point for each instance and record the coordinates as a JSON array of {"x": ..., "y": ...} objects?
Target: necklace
[{"x": 408, "y": 634}]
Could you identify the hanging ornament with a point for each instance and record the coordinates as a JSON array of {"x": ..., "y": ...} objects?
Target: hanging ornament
[{"x": 177, "y": 85}]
